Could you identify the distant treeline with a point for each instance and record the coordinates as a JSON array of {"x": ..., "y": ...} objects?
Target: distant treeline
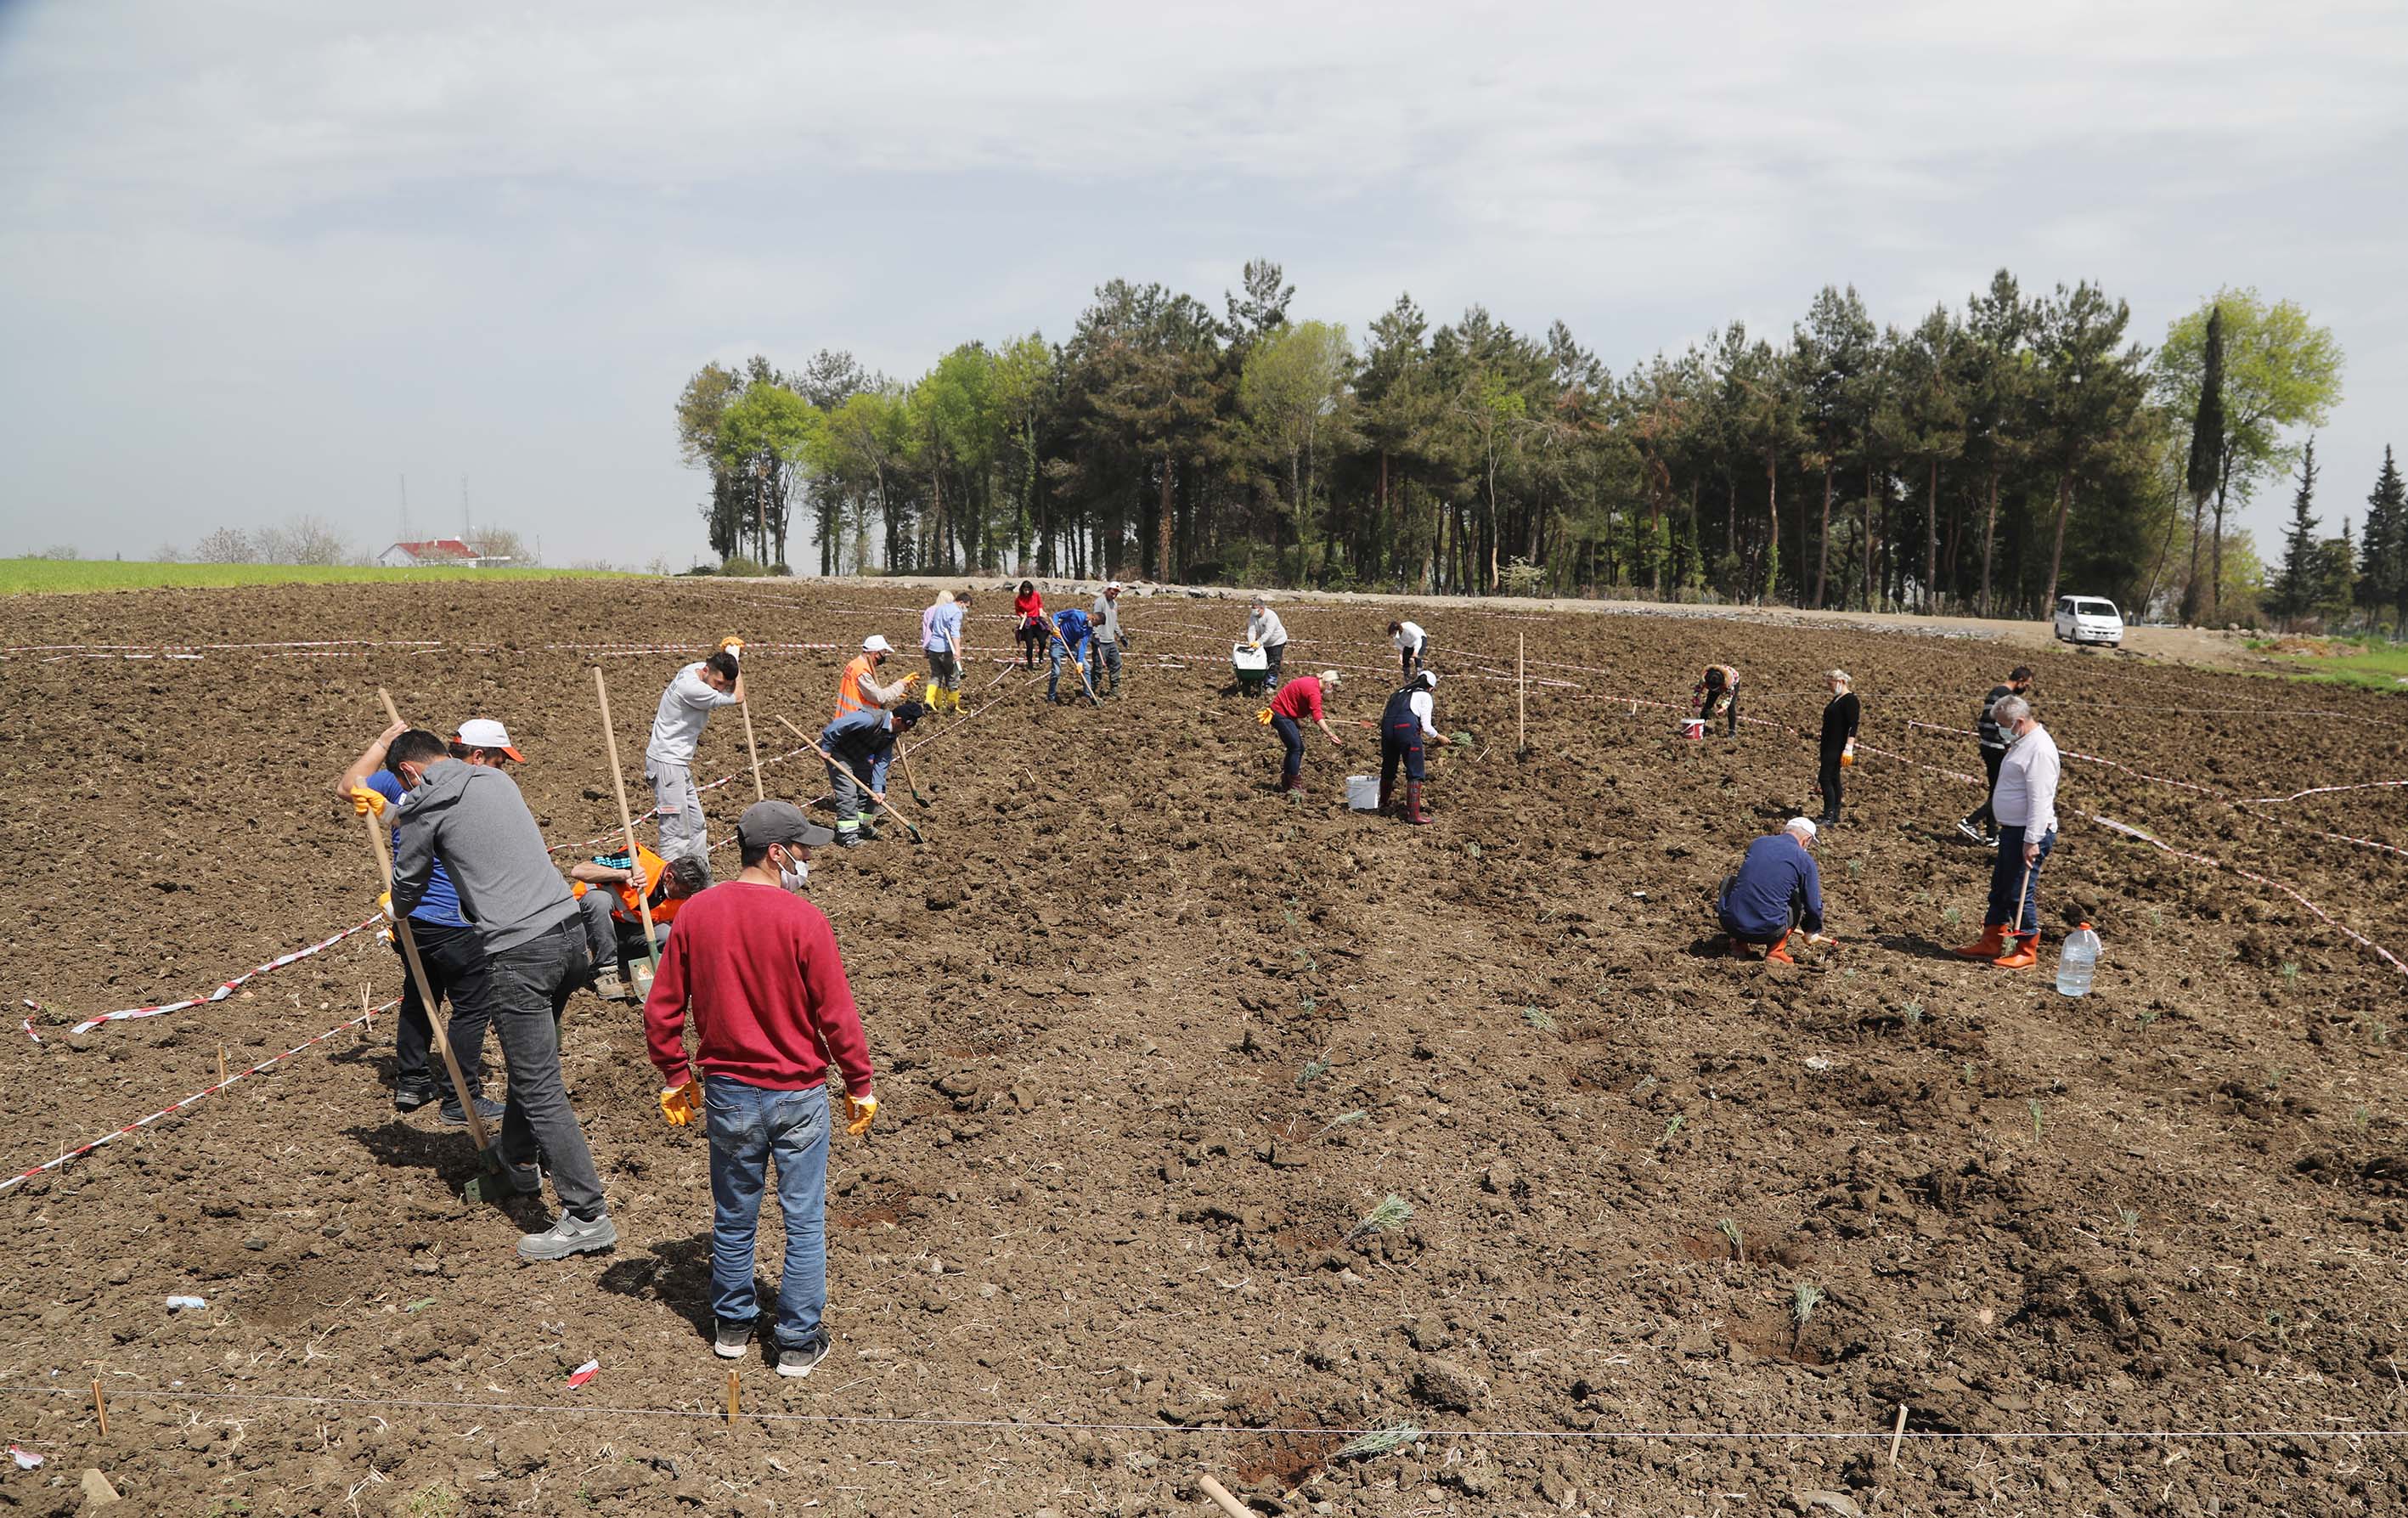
[{"x": 1979, "y": 461}]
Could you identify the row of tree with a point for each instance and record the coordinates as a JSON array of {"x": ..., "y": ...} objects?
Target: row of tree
[
  {"x": 2328, "y": 582},
  {"x": 1981, "y": 460},
  {"x": 310, "y": 540}
]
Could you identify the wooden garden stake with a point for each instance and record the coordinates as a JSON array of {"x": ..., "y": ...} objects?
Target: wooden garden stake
[
  {"x": 731, "y": 1398},
  {"x": 100, "y": 1405},
  {"x": 1521, "y": 693},
  {"x": 222, "y": 1069},
  {"x": 750, "y": 747},
  {"x": 1898, "y": 1433}
]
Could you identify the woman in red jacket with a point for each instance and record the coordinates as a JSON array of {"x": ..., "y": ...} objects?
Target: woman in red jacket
[
  {"x": 1297, "y": 701},
  {"x": 1030, "y": 608}
]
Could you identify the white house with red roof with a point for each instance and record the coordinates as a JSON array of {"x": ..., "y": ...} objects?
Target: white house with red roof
[{"x": 433, "y": 552}]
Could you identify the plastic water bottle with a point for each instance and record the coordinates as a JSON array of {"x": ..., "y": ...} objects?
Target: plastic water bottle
[{"x": 2077, "y": 961}]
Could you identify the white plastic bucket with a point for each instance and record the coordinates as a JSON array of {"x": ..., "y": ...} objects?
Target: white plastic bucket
[
  {"x": 1693, "y": 728},
  {"x": 1362, "y": 792}
]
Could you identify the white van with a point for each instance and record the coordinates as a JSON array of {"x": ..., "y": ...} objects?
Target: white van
[{"x": 2086, "y": 619}]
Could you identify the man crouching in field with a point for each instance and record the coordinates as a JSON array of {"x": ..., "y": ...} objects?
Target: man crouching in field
[{"x": 758, "y": 966}]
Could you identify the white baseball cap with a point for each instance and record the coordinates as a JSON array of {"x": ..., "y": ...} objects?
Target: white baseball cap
[
  {"x": 1111, "y": 585},
  {"x": 1803, "y": 824},
  {"x": 485, "y": 732},
  {"x": 876, "y": 643}
]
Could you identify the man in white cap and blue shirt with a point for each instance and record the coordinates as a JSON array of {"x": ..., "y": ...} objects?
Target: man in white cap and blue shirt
[{"x": 1775, "y": 891}]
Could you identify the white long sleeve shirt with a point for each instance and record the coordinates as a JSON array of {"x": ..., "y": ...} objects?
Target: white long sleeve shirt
[
  {"x": 2025, "y": 796},
  {"x": 1421, "y": 703},
  {"x": 1409, "y": 638},
  {"x": 685, "y": 707},
  {"x": 1265, "y": 628}
]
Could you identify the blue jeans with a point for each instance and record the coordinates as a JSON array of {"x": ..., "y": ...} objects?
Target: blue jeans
[
  {"x": 749, "y": 1126},
  {"x": 1054, "y": 654},
  {"x": 1291, "y": 736},
  {"x": 2007, "y": 880}
]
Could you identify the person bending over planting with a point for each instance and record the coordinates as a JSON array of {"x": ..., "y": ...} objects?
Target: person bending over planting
[
  {"x": 1029, "y": 631},
  {"x": 692, "y": 695},
  {"x": 1296, "y": 701},
  {"x": 1717, "y": 696},
  {"x": 1405, "y": 727},
  {"x": 1775, "y": 891},
  {"x": 756, "y": 968},
  {"x": 862, "y": 744},
  {"x": 1070, "y": 641}
]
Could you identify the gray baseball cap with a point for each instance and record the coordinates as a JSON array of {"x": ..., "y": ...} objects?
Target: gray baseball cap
[{"x": 765, "y": 822}]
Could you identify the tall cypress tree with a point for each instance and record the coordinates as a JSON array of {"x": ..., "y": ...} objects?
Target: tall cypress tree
[
  {"x": 2383, "y": 562},
  {"x": 2299, "y": 585},
  {"x": 2206, "y": 449}
]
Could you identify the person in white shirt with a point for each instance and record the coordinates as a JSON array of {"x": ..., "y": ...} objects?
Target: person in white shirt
[
  {"x": 2024, "y": 804},
  {"x": 695, "y": 693},
  {"x": 1411, "y": 643},
  {"x": 1405, "y": 728},
  {"x": 1265, "y": 631}
]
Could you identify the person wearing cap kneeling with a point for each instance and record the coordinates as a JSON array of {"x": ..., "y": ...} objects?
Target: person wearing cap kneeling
[
  {"x": 940, "y": 640},
  {"x": 1296, "y": 701},
  {"x": 1265, "y": 631},
  {"x": 1775, "y": 891},
  {"x": 615, "y": 917},
  {"x": 857, "y": 692},
  {"x": 2025, "y": 806},
  {"x": 1105, "y": 618},
  {"x": 1405, "y": 727},
  {"x": 693, "y": 693},
  {"x": 756, "y": 968},
  {"x": 447, "y": 942},
  {"x": 860, "y": 745}
]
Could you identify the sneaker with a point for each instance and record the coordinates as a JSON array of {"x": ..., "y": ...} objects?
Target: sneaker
[
  {"x": 869, "y": 833},
  {"x": 571, "y": 1235},
  {"x": 800, "y": 1362},
  {"x": 731, "y": 1339},
  {"x": 409, "y": 1095},
  {"x": 489, "y": 1109},
  {"x": 1971, "y": 833}
]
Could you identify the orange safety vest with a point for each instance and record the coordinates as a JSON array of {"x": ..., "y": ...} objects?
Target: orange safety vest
[
  {"x": 656, "y": 871},
  {"x": 848, "y": 690}
]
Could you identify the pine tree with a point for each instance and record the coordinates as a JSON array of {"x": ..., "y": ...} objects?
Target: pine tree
[
  {"x": 2206, "y": 451},
  {"x": 2297, "y": 588},
  {"x": 2382, "y": 551}
]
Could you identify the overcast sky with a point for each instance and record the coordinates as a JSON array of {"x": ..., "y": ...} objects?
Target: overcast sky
[{"x": 262, "y": 257}]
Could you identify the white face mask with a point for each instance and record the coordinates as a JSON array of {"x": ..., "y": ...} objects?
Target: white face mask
[{"x": 794, "y": 874}]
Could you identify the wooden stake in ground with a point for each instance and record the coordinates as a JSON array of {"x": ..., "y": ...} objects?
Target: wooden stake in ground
[
  {"x": 222, "y": 1069},
  {"x": 409, "y": 942},
  {"x": 1521, "y": 693},
  {"x": 731, "y": 1400},
  {"x": 100, "y": 1405},
  {"x": 627, "y": 821},
  {"x": 905, "y": 822},
  {"x": 1898, "y": 1433}
]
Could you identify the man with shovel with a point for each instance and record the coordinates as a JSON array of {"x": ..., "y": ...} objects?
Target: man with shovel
[
  {"x": 693, "y": 695},
  {"x": 1070, "y": 641},
  {"x": 531, "y": 959},
  {"x": 447, "y": 944},
  {"x": 862, "y": 743},
  {"x": 2024, "y": 804},
  {"x": 757, "y": 967}
]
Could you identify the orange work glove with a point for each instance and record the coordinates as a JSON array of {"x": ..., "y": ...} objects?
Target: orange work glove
[
  {"x": 367, "y": 803},
  {"x": 1263, "y": 716},
  {"x": 678, "y": 1103},
  {"x": 732, "y": 644},
  {"x": 860, "y": 1112}
]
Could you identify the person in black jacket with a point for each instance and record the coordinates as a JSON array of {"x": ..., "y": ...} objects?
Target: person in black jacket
[
  {"x": 1841, "y": 716},
  {"x": 1978, "y": 823}
]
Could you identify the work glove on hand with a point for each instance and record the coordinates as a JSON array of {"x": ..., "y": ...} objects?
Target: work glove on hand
[
  {"x": 860, "y": 1112},
  {"x": 911, "y": 679},
  {"x": 384, "y": 904},
  {"x": 367, "y": 803},
  {"x": 679, "y": 1102},
  {"x": 1263, "y": 716},
  {"x": 732, "y": 645}
]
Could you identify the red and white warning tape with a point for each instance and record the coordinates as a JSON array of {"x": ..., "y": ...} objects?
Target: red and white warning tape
[
  {"x": 173, "y": 1107},
  {"x": 225, "y": 988}
]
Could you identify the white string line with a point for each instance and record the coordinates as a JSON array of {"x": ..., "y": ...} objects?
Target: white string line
[{"x": 1040, "y": 1426}]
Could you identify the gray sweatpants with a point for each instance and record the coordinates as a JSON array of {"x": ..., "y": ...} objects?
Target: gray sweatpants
[{"x": 681, "y": 811}]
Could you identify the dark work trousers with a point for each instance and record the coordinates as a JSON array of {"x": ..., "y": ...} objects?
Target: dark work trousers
[
  {"x": 1980, "y": 816},
  {"x": 1722, "y": 894},
  {"x": 1030, "y": 637},
  {"x": 448, "y": 954},
  {"x": 1272, "y": 655},
  {"x": 1104, "y": 659},
  {"x": 1402, "y": 744},
  {"x": 1830, "y": 783},
  {"x": 2007, "y": 882},
  {"x": 1414, "y": 658},
  {"x": 524, "y": 989},
  {"x": 1291, "y": 736}
]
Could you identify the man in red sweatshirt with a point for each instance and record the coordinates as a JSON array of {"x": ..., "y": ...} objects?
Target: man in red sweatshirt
[{"x": 757, "y": 966}]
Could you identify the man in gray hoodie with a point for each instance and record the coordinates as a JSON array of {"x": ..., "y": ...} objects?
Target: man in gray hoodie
[
  {"x": 531, "y": 957},
  {"x": 1104, "y": 651}
]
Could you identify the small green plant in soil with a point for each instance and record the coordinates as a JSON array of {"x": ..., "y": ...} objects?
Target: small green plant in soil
[
  {"x": 1802, "y": 1303},
  {"x": 1392, "y": 1213},
  {"x": 1539, "y": 1020},
  {"x": 1913, "y": 1012},
  {"x": 1729, "y": 1230},
  {"x": 1314, "y": 1068},
  {"x": 1952, "y": 916},
  {"x": 2034, "y": 1105},
  {"x": 2131, "y": 1218},
  {"x": 1379, "y": 1442}
]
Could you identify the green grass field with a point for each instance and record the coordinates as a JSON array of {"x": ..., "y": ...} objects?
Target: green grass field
[
  {"x": 2371, "y": 662},
  {"x": 65, "y": 576}
]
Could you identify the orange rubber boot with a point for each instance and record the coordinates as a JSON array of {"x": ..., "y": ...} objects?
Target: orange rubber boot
[
  {"x": 1779, "y": 952},
  {"x": 1992, "y": 943},
  {"x": 2023, "y": 952}
]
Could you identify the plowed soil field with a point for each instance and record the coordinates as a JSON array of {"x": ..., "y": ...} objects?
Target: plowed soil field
[{"x": 1154, "y": 1043}]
